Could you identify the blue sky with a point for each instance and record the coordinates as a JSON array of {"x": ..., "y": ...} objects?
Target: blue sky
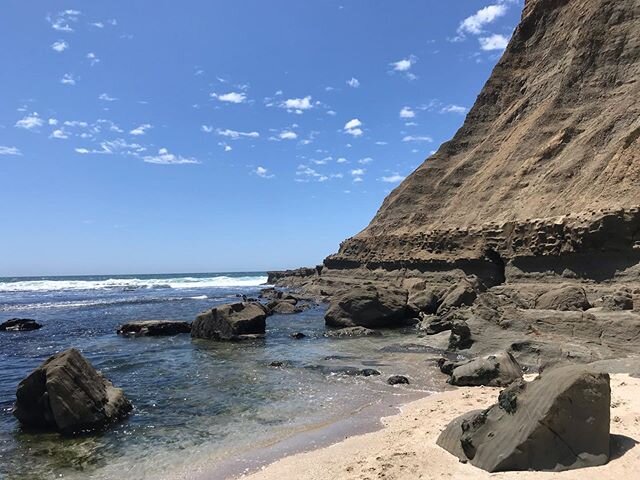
[{"x": 158, "y": 136}]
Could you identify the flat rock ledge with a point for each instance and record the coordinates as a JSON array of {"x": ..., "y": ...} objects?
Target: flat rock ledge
[
  {"x": 234, "y": 321},
  {"x": 154, "y": 328},
  {"x": 66, "y": 394},
  {"x": 19, "y": 325},
  {"x": 560, "y": 421}
]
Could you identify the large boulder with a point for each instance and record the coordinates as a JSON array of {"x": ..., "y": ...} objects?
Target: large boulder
[
  {"x": 234, "y": 321},
  {"x": 462, "y": 294},
  {"x": 19, "y": 325},
  {"x": 617, "y": 302},
  {"x": 154, "y": 328},
  {"x": 368, "y": 306},
  {"x": 424, "y": 301},
  {"x": 66, "y": 394},
  {"x": 493, "y": 370},
  {"x": 564, "y": 298},
  {"x": 560, "y": 421}
]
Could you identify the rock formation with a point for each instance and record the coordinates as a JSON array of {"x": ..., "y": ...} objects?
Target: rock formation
[
  {"x": 19, "y": 325},
  {"x": 560, "y": 421},
  {"x": 234, "y": 321},
  {"x": 66, "y": 394},
  {"x": 154, "y": 328}
]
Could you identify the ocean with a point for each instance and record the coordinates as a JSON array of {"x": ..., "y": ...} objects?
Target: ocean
[{"x": 198, "y": 405}]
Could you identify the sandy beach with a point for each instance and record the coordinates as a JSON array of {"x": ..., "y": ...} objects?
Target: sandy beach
[{"x": 405, "y": 448}]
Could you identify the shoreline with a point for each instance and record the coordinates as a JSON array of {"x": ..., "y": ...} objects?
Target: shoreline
[{"x": 404, "y": 447}]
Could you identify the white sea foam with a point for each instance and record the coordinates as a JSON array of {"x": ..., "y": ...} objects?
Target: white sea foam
[{"x": 50, "y": 285}]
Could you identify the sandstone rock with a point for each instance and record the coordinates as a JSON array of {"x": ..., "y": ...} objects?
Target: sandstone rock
[
  {"x": 19, "y": 325},
  {"x": 153, "y": 328},
  {"x": 66, "y": 394},
  {"x": 617, "y": 302},
  {"x": 560, "y": 421},
  {"x": 368, "y": 306},
  {"x": 565, "y": 298},
  {"x": 460, "y": 338},
  {"x": 460, "y": 294},
  {"x": 493, "y": 370},
  {"x": 424, "y": 301},
  {"x": 352, "y": 332},
  {"x": 230, "y": 322},
  {"x": 398, "y": 380},
  {"x": 285, "y": 307}
]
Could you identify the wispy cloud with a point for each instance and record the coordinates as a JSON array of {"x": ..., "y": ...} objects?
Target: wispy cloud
[
  {"x": 164, "y": 157},
  {"x": 59, "y": 46},
  {"x": 353, "y": 83},
  {"x": 68, "y": 79},
  {"x": 235, "y": 135},
  {"x": 493, "y": 42},
  {"x": 395, "y": 178},
  {"x": 365, "y": 161},
  {"x": 141, "y": 130},
  {"x": 407, "y": 112},
  {"x": 288, "y": 135},
  {"x": 417, "y": 138},
  {"x": 475, "y": 23},
  {"x": 297, "y": 105},
  {"x": 454, "y": 109},
  {"x": 30, "y": 122},
  {"x": 93, "y": 59},
  {"x": 263, "y": 172},
  {"x": 352, "y": 127},
  {"x": 106, "y": 98},
  {"x": 113, "y": 147},
  {"x": 9, "y": 150},
  {"x": 231, "y": 97},
  {"x": 404, "y": 66},
  {"x": 59, "y": 134},
  {"x": 63, "y": 20}
]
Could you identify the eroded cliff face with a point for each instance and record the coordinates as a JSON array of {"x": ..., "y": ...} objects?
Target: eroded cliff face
[{"x": 546, "y": 163}]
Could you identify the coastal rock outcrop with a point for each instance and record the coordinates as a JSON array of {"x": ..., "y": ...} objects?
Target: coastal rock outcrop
[
  {"x": 19, "y": 325},
  {"x": 66, "y": 394},
  {"x": 154, "y": 328},
  {"x": 349, "y": 332},
  {"x": 235, "y": 321},
  {"x": 368, "y": 306},
  {"x": 567, "y": 297},
  {"x": 492, "y": 370},
  {"x": 560, "y": 421}
]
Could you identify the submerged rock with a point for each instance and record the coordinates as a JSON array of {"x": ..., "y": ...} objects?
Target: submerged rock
[
  {"x": 19, "y": 325},
  {"x": 298, "y": 335},
  {"x": 352, "y": 332},
  {"x": 493, "y": 371},
  {"x": 368, "y": 306},
  {"x": 398, "y": 380},
  {"x": 153, "y": 328},
  {"x": 565, "y": 298},
  {"x": 66, "y": 394},
  {"x": 560, "y": 421},
  {"x": 234, "y": 321}
]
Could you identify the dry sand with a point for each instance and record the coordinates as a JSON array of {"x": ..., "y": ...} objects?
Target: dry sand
[{"x": 406, "y": 447}]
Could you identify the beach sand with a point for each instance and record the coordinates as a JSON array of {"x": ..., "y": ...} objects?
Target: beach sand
[{"x": 405, "y": 448}]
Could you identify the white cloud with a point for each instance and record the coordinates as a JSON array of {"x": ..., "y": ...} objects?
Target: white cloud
[
  {"x": 454, "y": 109},
  {"x": 141, "y": 130},
  {"x": 395, "y": 178},
  {"x": 341, "y": 160},
  {"x": 353, "y": 83},
  {"x": 9, "y": 150},
  {"x": 68, "y": 79},
  {"x": 406, "y": 112},
  {"x": 382, "y": 143},
  {"x": 493, "y": 42},
  {"x": 75, "y": 123},
  {"x": 59, "y": 46},
  {"x": 227, "y": 148},
  {"x": 263, "y": 172},
  {"x": 405, "y": 64},
  {"x": 476, "y": 22},
  {"x": 53, "y": 121},
  {"x": 297, "y": 105},
  {"x": 164, "y": 157},
  {"x": 62, "y": 21},
  {"x": 352, "y": 127},
  {"x": 365, "y": 161},
  {"x": 106, "y": 98},
  {"x": 333, "y": 113},
  {"x": 206, "y": 128},
  {"x": 93, "y": 58},
  {"x": 358, "y": 172},
  {"x": 231, "y": 97},
  {"x": 30, "y": 122},
  {"x": 288, "y": 135},
  {"x": 60, "y": 134},
  {"x": 414, "y": 138},
  {"x": 82, "y": 151},
  {"x": 97, "y": 24},
  {"x": 235, "y": 135}
]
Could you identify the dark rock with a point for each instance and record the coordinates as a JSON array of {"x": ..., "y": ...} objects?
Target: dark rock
[
  {"x": 398, "y": 380},
  {"x": 368, "y": 306},
  {"x": 352, "y": 332},
  {"x": 565, "y": 298},
  {"x": 66, "y": 394},
  {"x": 230, "y": 322},
  {"x": 560, "y": 421},
  {"x": 425, "y": 301},
  {"x": 344, "y": 370},
  {"x": 617, "y": 302},
  {"x": 446, "y": 366},
  {"x": 460, "y": 338},
  {"x": 298, "y": 335},
  {"x": 19, "y": 325},
  {"x": 461, "y": 294},
  {"x": 285, "y": 307},
  {"x": 152, "y": 328},
  {"x": 278, "y": 363},
  {"x": 369, "y": 372},
  {"x": 494, "y": 371}
]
